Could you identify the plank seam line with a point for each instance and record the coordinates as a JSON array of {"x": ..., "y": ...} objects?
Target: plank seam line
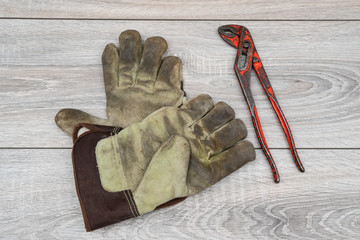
[
  {"x": 60, "y": 148},
  {"x": 183, "y": 20}
]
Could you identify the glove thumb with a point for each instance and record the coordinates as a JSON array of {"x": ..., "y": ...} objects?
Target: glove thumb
[
  {"x": 68, "y": 118},
  {"x": 165, "y": 177}
]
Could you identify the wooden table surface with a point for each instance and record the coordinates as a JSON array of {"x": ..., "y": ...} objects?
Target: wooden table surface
[{"x": 50, "y": 58}]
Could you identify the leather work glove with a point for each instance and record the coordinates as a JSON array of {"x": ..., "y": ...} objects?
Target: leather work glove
[
  {"x": 137, "y": 82},
  {"x": 171, "y": 154}
]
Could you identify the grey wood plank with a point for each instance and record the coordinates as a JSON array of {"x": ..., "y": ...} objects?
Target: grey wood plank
[
  {"x": 38, "y": 201},
  {"x": 47, "y": 65},
  {"x": 183, "y": 9}
]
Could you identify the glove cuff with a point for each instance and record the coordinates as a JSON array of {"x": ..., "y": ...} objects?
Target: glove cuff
[{"x": 99, "y": 207}]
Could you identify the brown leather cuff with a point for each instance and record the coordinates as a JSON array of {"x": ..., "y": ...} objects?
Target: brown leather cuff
[{"x": 99, "y": 207}]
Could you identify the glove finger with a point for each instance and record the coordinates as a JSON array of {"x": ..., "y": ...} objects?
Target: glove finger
[
  {"x": 225, "y": 137},
  {"x": 68, "y": 118},
  {"x": 218, "y": 116},
  {"x": 129, "y": 57},
  {"x": 110, "y": 61},
  {"x": 169, "y": 74},
  {"x": 154, "y": 48},
  {"x": 198, "y": 106},
  {"x": 165, "y": 177},
  {"x": 230, "y": 160}
]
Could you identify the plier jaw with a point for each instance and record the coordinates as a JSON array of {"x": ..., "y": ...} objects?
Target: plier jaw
[
  {"x": 247, "y": 58},
  {"x": 231, "y": 34},
  {"x": 239, "y": 37}
]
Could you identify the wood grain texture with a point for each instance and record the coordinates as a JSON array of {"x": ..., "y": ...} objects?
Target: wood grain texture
[
  {"x": 183, "y": 9},
  {"x": 38, "y": 201},
  {"x": 46, "y": 65}
]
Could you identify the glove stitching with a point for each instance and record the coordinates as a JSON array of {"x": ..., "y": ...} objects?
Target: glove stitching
[
  {"x": 118, "y": 160},
  {"x": 130, "y": 205},
  {"x": 134, "y": 204}
]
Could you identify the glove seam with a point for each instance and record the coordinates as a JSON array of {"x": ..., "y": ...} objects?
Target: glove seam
[
  {"x": 118, "y": 161},
  {"x": 132, "y": 207}
]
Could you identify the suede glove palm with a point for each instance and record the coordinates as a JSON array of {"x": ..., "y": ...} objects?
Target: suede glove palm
[
  {"x": 173, "y": 153},
  {"x": 137, "y": 82}
]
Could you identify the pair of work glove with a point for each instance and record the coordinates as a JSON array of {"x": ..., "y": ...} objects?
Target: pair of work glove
[{"x": 154, "y": 149}]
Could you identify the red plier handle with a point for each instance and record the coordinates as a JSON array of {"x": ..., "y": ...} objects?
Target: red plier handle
[{"x": 246, "y": 59}]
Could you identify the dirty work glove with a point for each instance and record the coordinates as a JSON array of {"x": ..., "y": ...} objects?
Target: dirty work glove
[
  {"x": 173, "y": 153},
  {"x": 99, "y": 207},
  {"x": 137, "y": 82}
]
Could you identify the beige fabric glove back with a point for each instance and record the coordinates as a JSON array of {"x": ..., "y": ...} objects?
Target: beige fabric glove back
[
  {"x": 173, "y": 153},
  {"x": 137, "y": 82}
]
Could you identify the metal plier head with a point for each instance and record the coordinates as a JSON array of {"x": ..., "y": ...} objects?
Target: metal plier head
[
  {"x": 247, "y": 58},
  {"x": 240, "y": 38}
]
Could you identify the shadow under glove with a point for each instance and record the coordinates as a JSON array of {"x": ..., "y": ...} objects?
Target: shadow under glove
[{"x": 137, "y": 82}]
